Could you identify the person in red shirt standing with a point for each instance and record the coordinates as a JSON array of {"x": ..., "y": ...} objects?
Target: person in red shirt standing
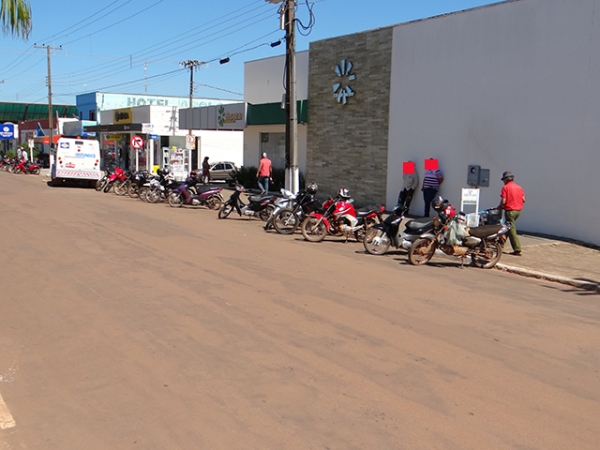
[{"x": 512, "y": 199}]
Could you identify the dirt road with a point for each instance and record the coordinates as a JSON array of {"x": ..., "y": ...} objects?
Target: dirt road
[{"x": 126, "y": 325}]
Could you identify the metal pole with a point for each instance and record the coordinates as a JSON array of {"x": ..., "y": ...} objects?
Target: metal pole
[
  {"x": 50, "y": 116},
  {"x": 291, "y": 126}
]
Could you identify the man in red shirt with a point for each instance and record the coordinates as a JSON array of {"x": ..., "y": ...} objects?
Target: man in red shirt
[
  {"x": 512, "y": 199},
  {"x": 264, "y": 174}
]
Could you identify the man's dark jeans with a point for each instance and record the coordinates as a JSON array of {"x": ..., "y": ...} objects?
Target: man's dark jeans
[{"x": 428, "y": 195}]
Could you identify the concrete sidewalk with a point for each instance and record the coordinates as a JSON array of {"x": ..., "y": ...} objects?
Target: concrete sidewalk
[{"x": 555, "y": 260}]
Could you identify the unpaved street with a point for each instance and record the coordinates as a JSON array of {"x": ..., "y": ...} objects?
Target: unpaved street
[{"x": 126, "y": 325}]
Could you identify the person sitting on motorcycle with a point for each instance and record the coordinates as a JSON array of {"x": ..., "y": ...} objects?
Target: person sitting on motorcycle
[
  {"x": 190, "y": 182},
  {"x": 163, "y": 173},
  {"x": 444, "y": 208}
]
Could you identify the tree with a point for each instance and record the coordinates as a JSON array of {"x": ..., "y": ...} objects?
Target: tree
[{"x": 15, "y": 16}]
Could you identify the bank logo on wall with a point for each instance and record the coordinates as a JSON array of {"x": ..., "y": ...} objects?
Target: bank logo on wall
[{"x": 342, "y": 89}]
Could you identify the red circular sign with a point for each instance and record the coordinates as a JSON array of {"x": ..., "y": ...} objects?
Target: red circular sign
[{"x": 137, "y": 142}]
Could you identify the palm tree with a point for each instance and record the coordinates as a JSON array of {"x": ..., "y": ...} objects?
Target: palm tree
[{"x": 15, "y": 16}]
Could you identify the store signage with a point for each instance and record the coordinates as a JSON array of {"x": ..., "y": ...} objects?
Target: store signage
[
  {"x": 470, "y": 197},
  {"x": 341, "y": 88},
  {"x": 147, "y": 128},
  {"x": 231, "y": 116},
  {"x": 123, "y": 115},
  {"x": 114, "y": 137},
  {"x": 7, "y": 131}
]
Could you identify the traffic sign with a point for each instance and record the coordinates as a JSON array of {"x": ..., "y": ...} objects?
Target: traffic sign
[{"x": 137, "y": 142}]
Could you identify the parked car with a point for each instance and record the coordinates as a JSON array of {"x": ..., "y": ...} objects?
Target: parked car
[{"x": 219, "y": 171}]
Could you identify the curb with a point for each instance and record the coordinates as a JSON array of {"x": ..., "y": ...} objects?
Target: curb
[{"x": 550, "y": 277}]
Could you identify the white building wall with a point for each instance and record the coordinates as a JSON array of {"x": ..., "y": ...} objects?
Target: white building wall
[
  {"x": 221, "y": 146},
  {"x": 512, "y": 86},
  {"x": 264, "y": 83},
  {"x": 252, "y": 143},
  {"x": 264, "y": 79}
]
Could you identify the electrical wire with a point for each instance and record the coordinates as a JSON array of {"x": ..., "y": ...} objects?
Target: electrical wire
[{"x": 145, "y": 52}]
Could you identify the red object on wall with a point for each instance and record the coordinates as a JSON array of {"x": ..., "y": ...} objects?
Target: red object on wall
[
  {"x": 408, "y": 167},
  {"x": 431, "y": 164}
]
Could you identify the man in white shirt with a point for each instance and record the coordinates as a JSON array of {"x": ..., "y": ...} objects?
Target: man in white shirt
[{"x": 410, "y": 183}]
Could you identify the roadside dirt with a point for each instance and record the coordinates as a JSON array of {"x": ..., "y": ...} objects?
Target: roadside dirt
[{"x": 135, "y": 326}]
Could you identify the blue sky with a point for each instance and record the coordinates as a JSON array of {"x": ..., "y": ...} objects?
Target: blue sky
[{"x": 135, "y": 46}]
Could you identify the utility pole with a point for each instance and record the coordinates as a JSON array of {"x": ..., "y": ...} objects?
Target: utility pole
[
  {"x": 191, "y": 64},
  {"x": 50, "y": 116},
  {"x": 291, "y": 126},
  {"x": 288, "y": 23}
]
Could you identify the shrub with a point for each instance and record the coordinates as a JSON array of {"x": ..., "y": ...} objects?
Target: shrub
[{"x": 246, "y": 176}]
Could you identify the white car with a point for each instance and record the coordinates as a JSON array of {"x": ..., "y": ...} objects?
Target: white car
[{"x": 219, "y": 171}]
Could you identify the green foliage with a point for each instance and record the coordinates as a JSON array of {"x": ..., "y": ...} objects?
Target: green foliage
[
  {"x": 246, "y": 176},
  {"x": 15, "y": 16},
  {"x": 11, "y": 154}
]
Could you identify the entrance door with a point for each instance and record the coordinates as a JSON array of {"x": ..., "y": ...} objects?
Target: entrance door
[{"x": 273, "y": 144}]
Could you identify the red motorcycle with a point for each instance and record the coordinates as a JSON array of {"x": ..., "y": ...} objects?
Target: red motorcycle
[
  {"x": 338, "y": 217},
  {"x": 23, "y": 167},
  {"x": 118, "y": 175}
]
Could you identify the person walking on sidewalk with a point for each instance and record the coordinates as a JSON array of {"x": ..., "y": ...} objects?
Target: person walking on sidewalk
[
  {"x": 264, "y": 174},
  {"x": 512, "y": 199},
  {"x": 431, "y": 185}
]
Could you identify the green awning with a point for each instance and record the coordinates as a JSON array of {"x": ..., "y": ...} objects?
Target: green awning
[
  {"x": 273, "y": 114},
  {"x": 21, "y": 112}
]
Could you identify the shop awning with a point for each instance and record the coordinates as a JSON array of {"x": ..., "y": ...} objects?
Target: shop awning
[{"x": 46, "y": 139}]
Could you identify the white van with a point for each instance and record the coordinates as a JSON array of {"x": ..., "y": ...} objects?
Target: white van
[{"x": 76, "y": 159}]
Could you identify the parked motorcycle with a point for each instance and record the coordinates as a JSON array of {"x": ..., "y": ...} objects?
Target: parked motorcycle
[
  {"x": 121, "y": 186},
  {"x": 260, "y": 206},
  {"x": 482, "y": 244},
  {"x": 286, "y": 220},
  {"x": 338, "y": 217},
  {"x": 25, "y": 167},
  {"x": 284, "y": 202},
  {"x": 209, "y": 196}
]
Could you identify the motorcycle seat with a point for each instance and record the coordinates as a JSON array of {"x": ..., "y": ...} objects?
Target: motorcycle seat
[
  {"x": 366, "y": 210},
  {"x": 260, "y": 198},
  {"x": 419, "y": 224},
  {"x": 484, "y": 230},
  {"x": 204, "y": 188}
]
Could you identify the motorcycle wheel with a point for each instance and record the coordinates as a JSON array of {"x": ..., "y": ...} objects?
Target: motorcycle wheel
[
  {"x": 107, "y": 187},
  {"x": 175, "y": 200},
  {"x": 36, "y": 171},
  {"x": 121, "y": 188},
  {"x": 421, "y": 251},
  {"x": 16, "y": 170},
  {"x": 101, "y": 183},
  {"x": 225, "y": 211},
  {"x": 313, "y": 231},
  {"x": 133, "y": 190},
  {"x": 265, "y": 214},
  {"x": 214, "y": 201},
  {"x": 488, "y": 256},
  {"x": 153, "y": 196},
  {"x": 376, "y": 241},
  {"x": 359, "y": 235},
  {"x": 142, "y": 193},
  {"x": 285, "y": 221}
]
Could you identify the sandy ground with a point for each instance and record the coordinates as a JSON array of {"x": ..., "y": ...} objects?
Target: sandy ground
[{"x": 126, "y": 325}]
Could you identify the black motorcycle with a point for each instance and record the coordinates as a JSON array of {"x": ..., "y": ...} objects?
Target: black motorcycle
[
  {"x": 260, "y": 206},
  {"x": 287, "y": 220}
]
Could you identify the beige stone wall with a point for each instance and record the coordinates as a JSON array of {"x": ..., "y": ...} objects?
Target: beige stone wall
[{"x": 348, "y": 144}]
